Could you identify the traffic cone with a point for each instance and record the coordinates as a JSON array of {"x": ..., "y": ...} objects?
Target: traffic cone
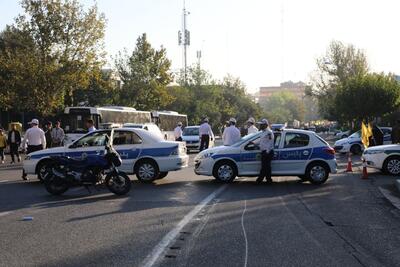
[
  {"x": 365, "y": 171},
  {"x": 349, "y": 167}
]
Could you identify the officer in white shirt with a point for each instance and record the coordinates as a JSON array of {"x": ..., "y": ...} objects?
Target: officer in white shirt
[
  {"x": 178, "y": 132},
  {"x": 35, "y": 138},
  {"x": 231, "y": 134},
  {"x": 250, "y": 126},
  {"x": 205, "y": 133},
  {"x": 267, "y": 151},
  {"x": 90, "y": 125}
]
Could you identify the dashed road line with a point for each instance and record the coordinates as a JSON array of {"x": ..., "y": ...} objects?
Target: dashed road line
[
  {"x": 4, "y": 213},
  {"x": 245, "y": 235},
  {"x": 159, "y": 249}
]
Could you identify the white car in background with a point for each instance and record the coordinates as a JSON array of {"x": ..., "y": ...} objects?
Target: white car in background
[
  {"x": 151, "y": 127},
  {"x": 143, "y": 153},
  {"x": 385, "y": 158},
  {"x": 342, "y": 134},
  {"x": 297, "y": 153},
  {"x": 191, "y": 137}
]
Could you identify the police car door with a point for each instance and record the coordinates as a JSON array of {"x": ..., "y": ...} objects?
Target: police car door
[
  {"x": 128, "y": 145},
  {"x": 295, "y": 151},
  {"x": 93, "y": 143}
]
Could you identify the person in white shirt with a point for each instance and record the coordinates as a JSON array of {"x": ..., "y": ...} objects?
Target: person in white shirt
[
  {"x": 231, "y": 134},
  {"x": 178, "y": 132},
  {"x": 57, "y": 135},
  {"x": 267, "y": 151},
  {"x": 250, "y": 126},
  {"x": 34, "y": 137},
  {"x": 90, "y": 125},
  {"x": 206, "y": 134}
]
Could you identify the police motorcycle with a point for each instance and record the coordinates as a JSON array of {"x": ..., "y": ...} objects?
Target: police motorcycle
[{"x": 64, "y": 172}]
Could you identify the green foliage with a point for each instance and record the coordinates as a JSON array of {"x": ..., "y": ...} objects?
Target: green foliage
[
  {"x": 58, "y": 47},
  {"x": 145, "y": 75},
  {"x": 283, "y": 107},
  {"x": 367, "y": 97},
  {"x": 340, "y": 63}
]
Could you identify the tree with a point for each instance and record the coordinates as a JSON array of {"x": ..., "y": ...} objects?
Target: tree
[
  {"x": 367, "y": 97},
  {"x": 341, "y": 63},
  {"x": 145, "y": 75},
  {"x": 65, "y": 46},
  {"x": 283, "y": 107}
]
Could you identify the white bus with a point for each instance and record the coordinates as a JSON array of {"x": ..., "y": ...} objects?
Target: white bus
[
  {"x": 167, "y": 121},
  {"x": 74, "y": 119}
]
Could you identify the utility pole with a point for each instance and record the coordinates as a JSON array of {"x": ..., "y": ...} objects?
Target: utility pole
[{"x": 184, "y": 40}]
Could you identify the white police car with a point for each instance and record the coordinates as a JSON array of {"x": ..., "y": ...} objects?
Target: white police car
[
  {"x": 297, "y": 152},
  {"x": 145, "y": 154},
  {"x": 385, "y": 158},
  {"x": 354, "y": 145},
  {"x": 191, "y": 137}
]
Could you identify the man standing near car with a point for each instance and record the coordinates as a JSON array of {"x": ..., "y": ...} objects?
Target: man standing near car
[
  {"x": 231, "y": 134},
  {"x": 205, "y": 133},
  {"x": 251, "y": 129},
  {"x": 267, "y": 151},
  {"x": 178, "y": 132},
  {"x": 47, "y": 133},
  {"x": 57, "y": 135},
  {"x": 14, "y": 139}
]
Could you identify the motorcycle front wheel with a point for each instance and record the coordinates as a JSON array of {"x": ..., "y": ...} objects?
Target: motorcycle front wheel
[
  {"x": 118, "y": 183},
  {"x": 55, "y": 185}
]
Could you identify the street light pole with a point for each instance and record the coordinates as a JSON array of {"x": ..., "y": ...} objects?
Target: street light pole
[{"x": 184, "y": 40}]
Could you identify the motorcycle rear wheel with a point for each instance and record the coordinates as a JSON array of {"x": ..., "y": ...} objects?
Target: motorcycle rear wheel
[
  {"x": 55, "y": 185},
  {"x": 118, "y": 183}
]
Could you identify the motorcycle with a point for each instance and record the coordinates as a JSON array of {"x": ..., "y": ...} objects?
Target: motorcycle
[{"x": 64, "y": 172}]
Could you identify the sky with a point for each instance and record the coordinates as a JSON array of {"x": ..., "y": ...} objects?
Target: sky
[{"x": 263, "y": 42}]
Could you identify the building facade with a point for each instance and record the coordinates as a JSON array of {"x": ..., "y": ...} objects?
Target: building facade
[{"x": 298, "y": 89}]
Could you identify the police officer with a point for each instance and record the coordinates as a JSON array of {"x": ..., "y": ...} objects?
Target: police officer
[
  {"x": 267, "y": 151},
  {"x": 205, "y": 133},
  {"x": 178, "y": 132},
  {"x": 250, "y": 126},
  {"x": 231, "y": 134}
]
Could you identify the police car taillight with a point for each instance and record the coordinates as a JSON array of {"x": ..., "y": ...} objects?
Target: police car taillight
[{"x": 329, "y": 151}]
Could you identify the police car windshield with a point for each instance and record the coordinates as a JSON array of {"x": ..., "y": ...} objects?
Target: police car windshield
[
  {"x": 355, "y": 135},
  {"x": 245, "y": 139}
]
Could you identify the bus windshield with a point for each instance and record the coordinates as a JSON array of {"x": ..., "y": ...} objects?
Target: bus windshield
[{"x": 75, "y": 121}]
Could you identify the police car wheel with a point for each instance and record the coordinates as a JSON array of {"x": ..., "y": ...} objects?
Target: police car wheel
[
  {"x": 392, "y": 165},
  {"x": 147, "y": 171},
  {"x": 225, "y": 171},
  {"x": 355, "y": 149},
  {"x": 317, "y": 173},
  {"x": 42, "y": 169}
]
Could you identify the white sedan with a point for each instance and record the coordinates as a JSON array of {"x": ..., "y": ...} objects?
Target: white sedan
[
  {"x": 191, "y": 137},
  {"x": 145, "y": 154},
  {"x": 385, "y": 158},
  {"x": 297, "y": 153}
]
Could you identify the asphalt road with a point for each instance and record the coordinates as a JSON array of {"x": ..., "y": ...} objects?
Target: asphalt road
[{"x": 189, "y": 220}]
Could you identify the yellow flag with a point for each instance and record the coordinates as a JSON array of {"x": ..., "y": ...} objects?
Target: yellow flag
[{"x": 366, "y": 133}]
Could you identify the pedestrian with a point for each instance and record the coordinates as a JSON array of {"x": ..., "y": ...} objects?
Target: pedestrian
[
  {"x": 250, "y": 126},
  {"x": 231, "y": 134},
  {"x": 57, "y": 135},
  {"x": 90, "y": 125},
  {"x": 396, "y": 132},
  {"x": 3, "y": 144},
  {"x": 377, "y": 136},
  {"x": 267, "y": 151},
  {"x": 206, "y": 134},
  {"x": 14, "y": 140},
  {"x": 47, "y": 133},
  {"x": 178, "y": 132}
]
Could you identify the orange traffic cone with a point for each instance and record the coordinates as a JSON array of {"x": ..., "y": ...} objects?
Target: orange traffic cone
[
  {"x": 349, "y": 167},
  {"x": 365, "y": 171}
]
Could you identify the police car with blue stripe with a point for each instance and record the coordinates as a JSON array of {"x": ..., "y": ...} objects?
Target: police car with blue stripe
[
  {"x": 296, "y": 153},
  {"x": 143, "y": 153}
]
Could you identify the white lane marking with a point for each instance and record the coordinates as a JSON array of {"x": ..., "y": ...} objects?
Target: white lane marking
[
  {"x": 3, "y": 181},
  {"x": 158, "y": 250},
  {"x": 4, "y": 213},
  {"x": 244, "y": 234}
]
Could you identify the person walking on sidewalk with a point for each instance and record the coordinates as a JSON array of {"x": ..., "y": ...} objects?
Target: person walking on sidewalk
[
  {"x": 57, "y": 135},
  {"x": 14, "y": 140},
  {"x": 3, "y": 144}
]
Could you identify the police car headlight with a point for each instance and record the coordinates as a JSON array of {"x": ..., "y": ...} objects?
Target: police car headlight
[
  {"x": 372, "y": 152},
  {"x": 205, "y": 155}
]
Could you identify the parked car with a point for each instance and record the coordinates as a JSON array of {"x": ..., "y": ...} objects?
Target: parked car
[
  {"x": 342, "y": 134},
  {"x": 354, "y": 145},
  {"x": 143, "y": 153},
  {"x": 297, "y": 153},
  {"x": 385, "y": 158},
  {"x": 191, "y": 136},
  {"x": 151, "y": 127}
]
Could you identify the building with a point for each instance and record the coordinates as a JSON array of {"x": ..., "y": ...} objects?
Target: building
[{"x": 297, "y": 89}]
